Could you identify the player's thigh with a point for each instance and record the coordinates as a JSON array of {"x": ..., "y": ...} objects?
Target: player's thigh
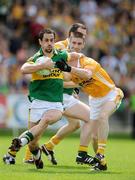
[
  {"x": 79, "y": 111},
  {"x": 107, "y": 109},
  {"x": 51, "y": 116}
]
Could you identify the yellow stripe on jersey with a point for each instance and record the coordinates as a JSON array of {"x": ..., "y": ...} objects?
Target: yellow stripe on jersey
[
  {"x": 59, "y": 46},
  {"x": 30, "y": 60},
  {"x": 104, "y": 81},
  {"x": 69, "y": 56},
  {"x": 55, "y": 74}
]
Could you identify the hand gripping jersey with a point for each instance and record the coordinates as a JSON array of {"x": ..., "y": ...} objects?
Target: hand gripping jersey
[{"x": 48, "y": 87}]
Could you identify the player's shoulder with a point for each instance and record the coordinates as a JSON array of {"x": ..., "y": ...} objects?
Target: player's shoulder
[
  {"x": 88, "y": 60},
  {"x": 61, "y": 45},
  {"x": 38, "y": 54},
  {"x": 35, "y": 56},
  {"x": 60, "y": 54},
  {"x": 30, "y": 60}
]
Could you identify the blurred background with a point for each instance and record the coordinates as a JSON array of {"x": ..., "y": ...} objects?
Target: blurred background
[{"x": 110, "y": 41}]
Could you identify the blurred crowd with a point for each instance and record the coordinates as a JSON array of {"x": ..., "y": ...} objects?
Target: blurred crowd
[{"x": 110, "y": 41}]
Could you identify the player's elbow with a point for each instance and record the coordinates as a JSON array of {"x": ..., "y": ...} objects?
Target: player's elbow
[
  {"x": 24, "y": 70},
  {"x": 87, "y": 74}
]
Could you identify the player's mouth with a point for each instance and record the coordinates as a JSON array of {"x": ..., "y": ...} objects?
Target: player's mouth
[{"x": 75, "y": 50}]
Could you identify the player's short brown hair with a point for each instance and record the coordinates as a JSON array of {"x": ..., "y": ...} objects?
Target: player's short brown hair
[
  {"x": 46, "y": 31},
  {"x": 75, "y": 26}
]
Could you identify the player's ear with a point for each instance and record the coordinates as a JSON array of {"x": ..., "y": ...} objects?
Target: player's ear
[
  {"x": 40, "y": 42},
  {"x": 84, "y": 42}
]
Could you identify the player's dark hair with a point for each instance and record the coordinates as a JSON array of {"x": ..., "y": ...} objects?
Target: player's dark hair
[
  {"x": 75, "y": 26},
  {"x": 78, "y": 35},
  {"x": 46, "y": 31}
]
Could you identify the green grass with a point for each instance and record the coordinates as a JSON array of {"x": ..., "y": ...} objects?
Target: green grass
[{"x": 120, "y": 156}]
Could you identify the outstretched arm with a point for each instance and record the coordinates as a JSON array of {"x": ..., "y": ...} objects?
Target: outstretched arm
[{"x": 80, "y": 72}]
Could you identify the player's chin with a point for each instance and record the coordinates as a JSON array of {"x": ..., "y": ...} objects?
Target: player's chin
[
  {"x": 75, "y": 50},
  {"x": 49, "y": 50}
]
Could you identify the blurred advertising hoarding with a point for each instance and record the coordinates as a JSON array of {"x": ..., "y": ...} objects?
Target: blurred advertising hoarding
[
  {"x": 3, "y": 111},
  {"x": 14, "y": 112}
]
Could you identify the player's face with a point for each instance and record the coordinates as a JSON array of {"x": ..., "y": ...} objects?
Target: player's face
[
  {"x": 47, "y": 43},
  {"x": 76, "y": 44}
]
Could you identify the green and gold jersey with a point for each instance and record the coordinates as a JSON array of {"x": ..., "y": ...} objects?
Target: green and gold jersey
[{"x": 48, "y": 87}]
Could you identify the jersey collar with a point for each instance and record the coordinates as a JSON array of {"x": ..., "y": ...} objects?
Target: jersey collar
[{"x": 55, "y": 52}]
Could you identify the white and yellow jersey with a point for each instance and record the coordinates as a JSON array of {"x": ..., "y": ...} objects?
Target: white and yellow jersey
[
  {"x": 100, "y": 83},
  {"x": 61, "y": 45}
]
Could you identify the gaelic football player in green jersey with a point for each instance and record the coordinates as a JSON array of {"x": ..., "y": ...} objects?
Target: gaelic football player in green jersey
[{"x": 46, "y": 93}]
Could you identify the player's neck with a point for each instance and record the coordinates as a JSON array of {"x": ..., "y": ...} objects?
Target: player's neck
[{"x": 48, "y": 54}]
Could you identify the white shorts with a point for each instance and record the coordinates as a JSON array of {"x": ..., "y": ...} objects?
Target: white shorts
[
  {"x": 69, "y": 101},
  {"x": 96, "y": 104},
  {"x": 39, "y": 107}
]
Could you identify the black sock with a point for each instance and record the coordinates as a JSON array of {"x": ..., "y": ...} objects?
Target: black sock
[{"x": 82, "y": 153}]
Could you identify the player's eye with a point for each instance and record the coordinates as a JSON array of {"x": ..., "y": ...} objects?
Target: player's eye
[
  {"x": 46, "y": 40},
  {"x": 51, "y": 40}
]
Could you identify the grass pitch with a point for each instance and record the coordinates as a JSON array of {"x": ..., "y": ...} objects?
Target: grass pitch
[{"x": 120, "y": 157}]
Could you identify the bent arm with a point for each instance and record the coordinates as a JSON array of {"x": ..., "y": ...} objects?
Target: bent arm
[
  {"x": 81, "y": 73},
  {"x": 70, "y": 84},
  {"x": 29, "y": 68}
]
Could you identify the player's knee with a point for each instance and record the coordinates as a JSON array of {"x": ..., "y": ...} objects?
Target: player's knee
[
  {"x": 50, "y": 120},
  {"x": 76, "y": 125},
  {"x": 94, "y": 137},
  {"x": 47, "y": 121},
  {"x": 103, "y": 117}
]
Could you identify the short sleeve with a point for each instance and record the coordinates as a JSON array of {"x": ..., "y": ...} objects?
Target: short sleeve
[{"x": 30, "y": 60}]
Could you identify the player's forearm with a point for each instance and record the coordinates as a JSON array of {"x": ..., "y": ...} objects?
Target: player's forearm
[
  {"x": 81, "y": 73},
  {"x": 70, "y": 84},
  {"x": 31, "y": 68}
]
